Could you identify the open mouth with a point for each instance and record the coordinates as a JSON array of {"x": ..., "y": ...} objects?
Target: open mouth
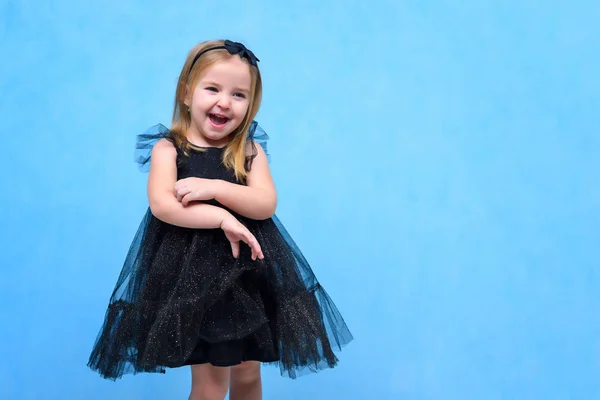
[{"x": 218, "y": 120}]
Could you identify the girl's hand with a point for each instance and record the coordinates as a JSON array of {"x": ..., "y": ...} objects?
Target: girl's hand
[
  {"x": 195, "y": 189},
  {"x": 236, "y": 232}
]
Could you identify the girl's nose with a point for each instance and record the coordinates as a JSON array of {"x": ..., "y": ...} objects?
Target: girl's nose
[{"x": 224, "y": 102}]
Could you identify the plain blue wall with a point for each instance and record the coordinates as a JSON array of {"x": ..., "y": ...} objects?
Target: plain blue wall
[{"x": 437, "y": 163}]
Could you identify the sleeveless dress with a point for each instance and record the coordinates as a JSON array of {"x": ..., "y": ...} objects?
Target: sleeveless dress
[{"x": 182, "y": 298}]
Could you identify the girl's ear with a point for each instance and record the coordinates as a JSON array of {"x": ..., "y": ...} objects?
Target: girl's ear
[{"x": 187, "y": 96}]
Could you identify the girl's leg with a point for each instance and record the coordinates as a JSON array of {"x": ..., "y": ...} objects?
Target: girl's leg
[
  {"x": 209, "y": 382},
  {"x": 245, "y": 381}
]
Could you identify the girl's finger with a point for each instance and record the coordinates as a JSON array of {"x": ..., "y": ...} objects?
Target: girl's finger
[
  {"x": 235, "y": 249},
  {"x": 256, "y": 250}
]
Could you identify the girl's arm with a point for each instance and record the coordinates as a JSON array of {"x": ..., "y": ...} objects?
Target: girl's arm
[
  {"x": 163, "y": 203},
  {"x": 165, "y": 206},
  {"x": 258, "y": 198}
]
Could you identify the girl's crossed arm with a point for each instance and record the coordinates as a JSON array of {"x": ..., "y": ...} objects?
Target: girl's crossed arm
[
  {"x": 163, "y": 203},
  {"x": 256, "y": 200},
  {"x": 165, "y": 206}
]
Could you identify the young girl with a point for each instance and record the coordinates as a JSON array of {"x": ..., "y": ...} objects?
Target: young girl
[{"x": 190, "y": 293}]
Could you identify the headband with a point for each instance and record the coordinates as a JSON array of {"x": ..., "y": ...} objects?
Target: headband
[{"x": 232, "y": 48}]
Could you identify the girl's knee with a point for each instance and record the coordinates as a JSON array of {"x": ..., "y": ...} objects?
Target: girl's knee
[
  {"x": 209, "y": 382},
  {"x": 209, "y": 391},
  {"x": 245, "y": 373}
]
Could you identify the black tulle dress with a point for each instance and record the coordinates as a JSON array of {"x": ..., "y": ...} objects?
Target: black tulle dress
[{"x": 182, "y": 298}]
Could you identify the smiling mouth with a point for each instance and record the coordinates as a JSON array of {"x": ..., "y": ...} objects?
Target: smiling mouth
[{"x": 218, "y": 119}]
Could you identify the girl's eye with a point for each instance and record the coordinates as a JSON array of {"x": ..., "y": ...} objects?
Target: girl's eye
[
  {"x": 240, "y": 95},
  {"x": 211, "y": 88}
]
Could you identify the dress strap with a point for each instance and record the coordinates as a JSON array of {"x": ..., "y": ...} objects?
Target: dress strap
[{"x": 145, "y": 143}]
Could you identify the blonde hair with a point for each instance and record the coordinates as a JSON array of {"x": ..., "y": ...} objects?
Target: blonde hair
[{"x": 234, "y": 156}]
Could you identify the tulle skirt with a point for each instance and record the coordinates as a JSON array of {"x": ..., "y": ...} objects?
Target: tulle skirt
[{"x": 183, "y": 299}]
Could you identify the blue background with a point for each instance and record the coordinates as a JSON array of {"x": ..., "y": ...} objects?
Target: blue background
[{"x": 436, "y": 161}]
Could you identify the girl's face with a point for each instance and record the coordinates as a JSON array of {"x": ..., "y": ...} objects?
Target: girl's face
[{"x": 219, "y": 102}]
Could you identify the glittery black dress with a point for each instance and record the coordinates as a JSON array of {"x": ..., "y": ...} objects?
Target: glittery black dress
[{"x": 182, "y": 298}]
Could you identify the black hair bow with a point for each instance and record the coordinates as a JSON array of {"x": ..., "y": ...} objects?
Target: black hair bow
[
  {"x": 242, "y": 51},
  {"x": 232, "y": 48}
]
